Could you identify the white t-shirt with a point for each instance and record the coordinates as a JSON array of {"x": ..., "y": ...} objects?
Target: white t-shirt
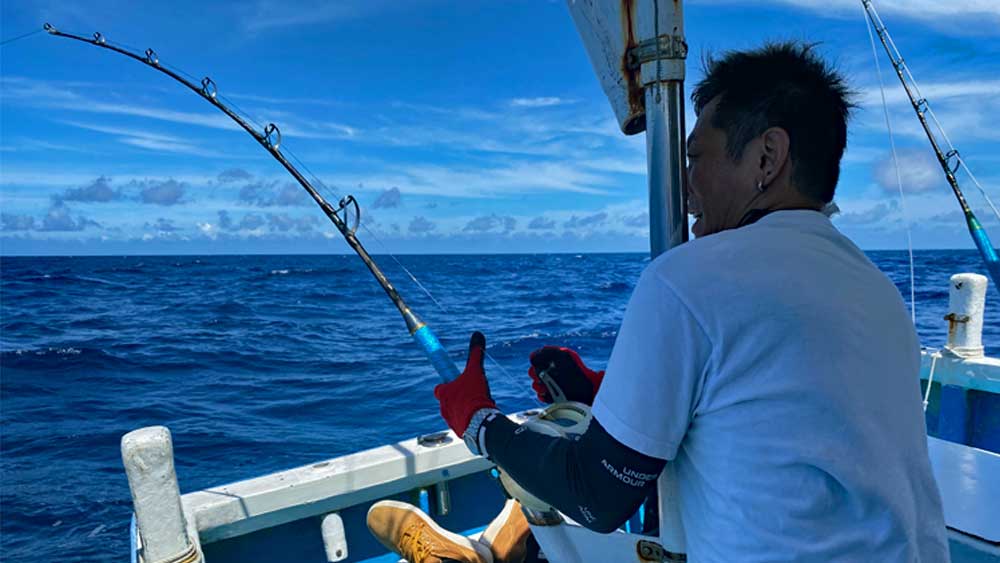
[{"x": 779, "y": 369}]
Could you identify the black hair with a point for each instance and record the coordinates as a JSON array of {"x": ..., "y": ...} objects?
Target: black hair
[{"x": 783, "y": 85}]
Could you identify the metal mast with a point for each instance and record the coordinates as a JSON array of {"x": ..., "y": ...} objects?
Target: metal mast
[
  {"x": 638, "y": 51},
  {"x": 660, "y": 62}
]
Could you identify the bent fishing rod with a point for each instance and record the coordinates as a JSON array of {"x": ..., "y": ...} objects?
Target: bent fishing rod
[
  {"x": 949, "y": 161},
  {"x": 270, "y": 139}
]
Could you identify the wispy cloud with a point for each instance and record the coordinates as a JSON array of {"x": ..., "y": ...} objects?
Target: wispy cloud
[
  {"x": 541, "y": 223},
  {"x": 166, "y": 192},
  {"x": 918, "y": 171},
  {"x": 59, "y": 219},
  {"x": 490, "y": 223},
  {"x": 388, "y": 199},
  {"x": 421, "y": 225},
  {"x": 932, "y": 11},
  {"x": 263, "y": 15},
  {"x": 37, "y": 93},
  {"x": 143, "y": 138},
  {"x": 934, "y": 91},
  {"x": 542, "y": 102},
  {"x": 98, "y": 191},
  {"x": 273, "y": 194}
]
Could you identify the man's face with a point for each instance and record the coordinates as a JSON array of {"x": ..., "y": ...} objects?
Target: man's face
[{"x": 720, "y": 190}]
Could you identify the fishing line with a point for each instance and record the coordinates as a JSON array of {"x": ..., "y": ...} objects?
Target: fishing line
[
  {"x": 20, "y": 37},
  {"x": 950, "y": 160},
  {"x": 929, "y": 111},
  {"x": 899, "y": 179},
  {"x": 270, "y": 139},
  {"x": 511, "y": 377}
]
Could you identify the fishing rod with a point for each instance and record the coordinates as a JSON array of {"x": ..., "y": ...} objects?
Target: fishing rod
[
  {"x": 949, "y": 161},
  {"x": 270, "y": 139}
]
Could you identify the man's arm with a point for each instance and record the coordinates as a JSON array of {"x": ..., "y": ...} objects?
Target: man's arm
[
  {"x": 646, "y": 403},
  {"x": 592, "y": 478}
]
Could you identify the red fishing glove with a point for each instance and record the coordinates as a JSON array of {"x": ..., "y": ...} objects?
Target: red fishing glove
[
  {"x": 469, "y": 392},
  {"x": 578, "y": 382}
]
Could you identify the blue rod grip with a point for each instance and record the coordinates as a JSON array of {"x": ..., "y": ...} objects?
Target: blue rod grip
[
  {"x": 436, "y": 354},
  {"x": 986, "y": 250}
]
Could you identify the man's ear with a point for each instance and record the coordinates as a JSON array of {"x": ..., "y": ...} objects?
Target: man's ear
[{"x": 774, "y": 155}]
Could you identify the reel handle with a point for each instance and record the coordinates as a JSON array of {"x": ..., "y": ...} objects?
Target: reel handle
[{"x": 556, "y": 392}]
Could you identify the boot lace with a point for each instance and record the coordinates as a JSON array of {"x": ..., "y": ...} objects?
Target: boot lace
[{"x": 415, "y": 544}]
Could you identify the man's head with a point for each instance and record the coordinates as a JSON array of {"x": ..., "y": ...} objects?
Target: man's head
[{"x": 771, "y": 129}]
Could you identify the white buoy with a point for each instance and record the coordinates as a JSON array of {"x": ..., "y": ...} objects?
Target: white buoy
[
  {"x": 334, "y": 537},
  {"x": 966, "y": 303},
  {"x": 148, "y": 455}
]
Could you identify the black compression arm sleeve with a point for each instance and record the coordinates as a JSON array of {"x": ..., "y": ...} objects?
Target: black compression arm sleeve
[{"x": 593, "y": 478}]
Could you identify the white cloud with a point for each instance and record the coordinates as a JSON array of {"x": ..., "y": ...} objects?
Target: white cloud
[
  {"x": 209, "y": 230},
  {"x": 934, "y": 11},
  {"x": 541, "y": 102},
  {"x": 37, "y": 93},
  {"x": 264, "y": 15},
  {"x": 919, "y": 171},
  {"x": 935, "y": 91}
]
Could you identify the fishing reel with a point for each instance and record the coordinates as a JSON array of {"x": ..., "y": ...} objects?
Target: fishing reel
[
  {"x": 559, "y": 419},
  {"x": 562, "y": 418}
]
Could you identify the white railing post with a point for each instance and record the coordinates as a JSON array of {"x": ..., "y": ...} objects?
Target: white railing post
[{"x": 148, "y": 456}]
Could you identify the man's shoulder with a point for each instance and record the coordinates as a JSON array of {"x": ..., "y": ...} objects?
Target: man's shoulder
[{"x": 696, "y": 258}]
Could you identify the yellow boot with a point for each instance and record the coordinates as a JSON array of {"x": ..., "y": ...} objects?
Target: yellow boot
[
  {"x": 406, "y": 530},
  {"x": 507, "y": 535}
]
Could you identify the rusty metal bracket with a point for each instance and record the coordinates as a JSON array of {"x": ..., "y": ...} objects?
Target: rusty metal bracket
[
  {"x": 662, "y": 47},
  {"x": 953, "y": 318}
]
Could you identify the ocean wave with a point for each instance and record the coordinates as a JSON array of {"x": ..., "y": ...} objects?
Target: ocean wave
[
  {"x": 258, "y": 364},
  {"x": 616, "y": 286}
]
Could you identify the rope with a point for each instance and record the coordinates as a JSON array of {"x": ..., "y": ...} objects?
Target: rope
[
  {"x": 899, "y": 179},
  {"x": 930, "y": 379},
  {"x": 20, "y": 37}
]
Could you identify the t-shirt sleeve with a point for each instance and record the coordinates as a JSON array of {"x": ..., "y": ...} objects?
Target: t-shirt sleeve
[{"x": 656, "y": 371}]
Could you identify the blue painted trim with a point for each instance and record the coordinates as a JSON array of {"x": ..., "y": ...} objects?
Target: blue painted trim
[
  {"x": 953, "y": 414},
  {"x": 436, "y": 353},
  {"x": 132, "y": 547}
]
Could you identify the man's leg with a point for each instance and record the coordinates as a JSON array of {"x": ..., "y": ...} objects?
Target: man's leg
[{"x": 406, "y": 530}]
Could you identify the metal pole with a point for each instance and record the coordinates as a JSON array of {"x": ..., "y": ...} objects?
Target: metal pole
[{"x": 666, "y": 156}]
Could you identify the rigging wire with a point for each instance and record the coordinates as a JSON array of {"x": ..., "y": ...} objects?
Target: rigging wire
[
  {"x": 929, "y": 111},
  {"x": 899, "y": 179}
]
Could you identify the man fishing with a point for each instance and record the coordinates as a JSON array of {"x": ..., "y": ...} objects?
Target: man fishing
[{"x": 769, "y": 360}]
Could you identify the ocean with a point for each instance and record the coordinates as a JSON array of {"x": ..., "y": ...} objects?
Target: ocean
[{"x": 261, "y": 363}]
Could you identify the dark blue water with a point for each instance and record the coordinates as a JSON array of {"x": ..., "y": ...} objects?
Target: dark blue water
[{"x": 259, "y": 363}]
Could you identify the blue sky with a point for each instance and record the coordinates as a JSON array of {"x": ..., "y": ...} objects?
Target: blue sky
[{"x": 466, "y": 126}]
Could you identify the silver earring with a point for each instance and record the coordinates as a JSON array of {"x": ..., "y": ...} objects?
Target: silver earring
[{"x": 760, "y": 186}]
